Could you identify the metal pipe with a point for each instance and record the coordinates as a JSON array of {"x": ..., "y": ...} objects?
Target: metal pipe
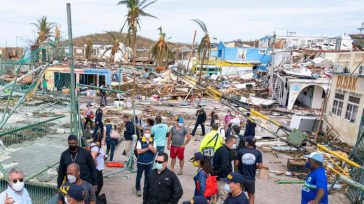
[
  {"x": 348, "y": 161},
  {"x": 351, "y": 183},
  {"x": 74, "y": 105},
  {"x": 96, "y": 87}
]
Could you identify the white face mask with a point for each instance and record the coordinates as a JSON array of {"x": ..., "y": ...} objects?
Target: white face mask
[
  {"x": 147, "y": 136},
  {"x": 66, "y": 200},
  {"x": 180, "y": 124},
  {"x": 18, "y": 186},
  {"x": 71, "y": 178},
  {"x": 159, "y": 166},
  {"x": 227, "y": 188},
  {"x": 235, "y": 146}
]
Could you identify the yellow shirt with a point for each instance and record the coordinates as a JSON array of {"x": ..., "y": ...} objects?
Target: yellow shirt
[{"x": 208, "y": 137}]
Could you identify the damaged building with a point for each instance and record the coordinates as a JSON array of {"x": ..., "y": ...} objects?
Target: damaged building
[{"x": 345, "y": 102}]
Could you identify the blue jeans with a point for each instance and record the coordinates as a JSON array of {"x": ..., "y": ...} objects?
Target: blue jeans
[
  {"x": 140, "y": 168},
  {"x": 110, "y": 147},
  {"x": 160, "y": 149}
]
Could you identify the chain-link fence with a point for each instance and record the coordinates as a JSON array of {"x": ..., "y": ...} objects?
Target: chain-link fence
[{"x": 34, "y": 125}]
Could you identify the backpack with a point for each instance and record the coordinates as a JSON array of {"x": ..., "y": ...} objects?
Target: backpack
[
  {"x": 92, "y": 115},
  {"x": 211, "y": 186},
  {"x": 101, "y": 199},
  {"x": 114, "y": 134},
  {"x": 90, "y": 146},
  {"x": 209, "y": 151}
]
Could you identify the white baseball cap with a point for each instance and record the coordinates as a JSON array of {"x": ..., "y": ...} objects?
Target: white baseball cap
[{"x": 316, "y": 156}]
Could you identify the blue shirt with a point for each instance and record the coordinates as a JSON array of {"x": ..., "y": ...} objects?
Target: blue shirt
[
  {"x": 21, "y": 197},
  {"x": 160, "y": 134},
  {"x": 315, "y": 180},
  {"x": 200, "y": 183}
]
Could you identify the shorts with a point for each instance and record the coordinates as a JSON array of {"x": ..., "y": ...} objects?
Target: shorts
[
  {"x": 249, "y": 186},
  {"x": 178, "y": 152}
]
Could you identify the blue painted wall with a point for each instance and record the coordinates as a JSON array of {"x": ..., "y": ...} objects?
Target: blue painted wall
[
  {"x": 251, "y": 54},
  {"x": 105, "y": 72}
]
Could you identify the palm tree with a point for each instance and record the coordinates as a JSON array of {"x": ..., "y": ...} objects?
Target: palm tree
[
  {"x": 43, "y": 29},
  {"x": 57, "y": 50},
  {"x": 204, "y": 46},
  {"x": 135, "y": 11},
  {"x": 160, "y": 51},
  {"x": 88, "y": 49},
  {"x": 116, "y": 38},
  {"x": 44, "y": 33}
]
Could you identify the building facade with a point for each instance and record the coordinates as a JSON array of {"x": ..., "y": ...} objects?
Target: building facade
[
  {"x": 258, "y": 57},
  {"x": 344, "y": 111}
]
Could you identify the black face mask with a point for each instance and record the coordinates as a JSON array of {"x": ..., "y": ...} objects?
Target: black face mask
[{"x": 72, "y": 148}]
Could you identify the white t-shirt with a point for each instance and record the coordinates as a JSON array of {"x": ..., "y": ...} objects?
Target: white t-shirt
[
  {"x": 235, "y": 121},
  {"x": 139, "y": 145},
  {"x": 221, "y": 131},
  {"x": 19, "y": 198},
  {"x": 100, "y": 157}
]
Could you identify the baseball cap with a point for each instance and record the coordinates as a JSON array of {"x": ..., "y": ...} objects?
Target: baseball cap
[
  {"x": 197, "y": 156},
  {"x": 181, "y": 120},
  {"x": 233, "y": 177},
  {"x": 315, "y": 156},
  {"x": 249, "y": 139},
  {"x": 197, "y": 200},
  {"x": 74, "y": 191}
]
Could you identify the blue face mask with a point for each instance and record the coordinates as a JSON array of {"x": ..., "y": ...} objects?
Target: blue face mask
[
  {"x": 227, "y": 188},
  {"x": 159, "y": 166},
  {"x": 308, "y": 165}
]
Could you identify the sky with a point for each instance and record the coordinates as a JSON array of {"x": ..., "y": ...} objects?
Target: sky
[{"x": 225, "y": 19}]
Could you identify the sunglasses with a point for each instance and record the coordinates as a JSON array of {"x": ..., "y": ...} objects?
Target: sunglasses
[
  {"x": 16, "y": 180},
  {"x": 159, "y": 162}
]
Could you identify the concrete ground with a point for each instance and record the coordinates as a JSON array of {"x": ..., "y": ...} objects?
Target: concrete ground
[{"x": 120, "y": 188}]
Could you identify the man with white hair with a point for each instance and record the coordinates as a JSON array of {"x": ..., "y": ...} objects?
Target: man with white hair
[{"x": 15, "y": 193}]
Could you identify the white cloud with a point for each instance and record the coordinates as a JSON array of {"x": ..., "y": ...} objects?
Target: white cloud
[{"x": 226, "y": 20}]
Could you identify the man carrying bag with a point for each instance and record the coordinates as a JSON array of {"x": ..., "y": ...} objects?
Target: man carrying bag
[{"x": 211, "y": 142}]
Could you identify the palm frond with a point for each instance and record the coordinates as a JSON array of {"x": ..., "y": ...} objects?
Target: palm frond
[
  {"x": 201, "y": 24},
  {"x": 142, "y": 13},
  {"x": 145, "y": 6}
]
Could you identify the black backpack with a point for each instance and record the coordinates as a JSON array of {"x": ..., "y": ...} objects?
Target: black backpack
[{"x": 101, "y": 199}]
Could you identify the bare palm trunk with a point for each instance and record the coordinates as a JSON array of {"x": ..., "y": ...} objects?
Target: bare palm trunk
[
  {"x": 202, "y": 62},
  {"x": 134, "y": 48}
]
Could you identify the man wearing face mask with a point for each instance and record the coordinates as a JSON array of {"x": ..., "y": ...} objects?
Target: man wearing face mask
[
  {"x": 73, "y": 177},
  {"x": 222, "y": 164},
  {"x": 15, "y": 193},
  {"x": 234, "y": 185},
  {"x": 79, "y": 155},
  {"x": 146, "y": 149},
  {"x": 248, "y": 161},
  {"x": 179, "y": 137},
  {"x": 314, "y": 191},
  {"x": 162, "y": 186}
]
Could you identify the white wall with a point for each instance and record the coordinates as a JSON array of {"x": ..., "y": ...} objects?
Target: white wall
[
  {"x": 306, "y": 100},
  {"x": 317, "y": 99}
]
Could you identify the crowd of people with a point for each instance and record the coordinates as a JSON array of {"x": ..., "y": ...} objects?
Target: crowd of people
[{"x": 226, "y": 162}]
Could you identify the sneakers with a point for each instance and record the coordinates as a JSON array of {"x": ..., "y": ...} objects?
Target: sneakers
[
  {"x": 180, "y": 173},
  {"x": 139, "y": 193}
]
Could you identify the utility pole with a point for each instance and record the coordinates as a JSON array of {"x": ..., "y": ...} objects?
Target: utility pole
[{"x": 361, "y": 28}]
